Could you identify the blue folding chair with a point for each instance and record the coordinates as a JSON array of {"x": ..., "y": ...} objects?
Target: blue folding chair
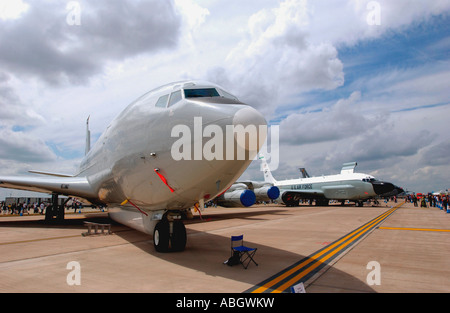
[{"x": 245, "y": 253}]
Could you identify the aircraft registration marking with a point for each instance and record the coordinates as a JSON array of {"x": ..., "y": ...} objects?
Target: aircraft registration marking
[
  {"x": 311, "y": 265},
  {"x": 302, "y": 187}
]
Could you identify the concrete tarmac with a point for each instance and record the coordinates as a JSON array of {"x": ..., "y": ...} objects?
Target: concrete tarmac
[{"x": 408, "y": 251}]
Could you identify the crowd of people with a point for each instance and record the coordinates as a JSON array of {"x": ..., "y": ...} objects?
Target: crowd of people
[
  {"x": 23, "y": 208},
  {"x": 428, "y": 201}
]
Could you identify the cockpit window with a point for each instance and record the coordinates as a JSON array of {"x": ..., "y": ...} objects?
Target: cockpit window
[
  {"x": 369, "y": 180},
  {"x": 225, "y": 94},
  {"x": 200, "y": 93},
  {"x": 162, "y": 101},
  {"x": 175, "y": 97}
]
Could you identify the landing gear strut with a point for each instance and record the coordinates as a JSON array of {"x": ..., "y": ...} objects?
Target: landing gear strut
[
  {"x": 55, "y": 212},
  {"x": 169, "y": 235}
]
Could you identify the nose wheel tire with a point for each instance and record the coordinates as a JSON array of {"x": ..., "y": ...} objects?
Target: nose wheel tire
[
  {"x": 161, "y": 236},
  {"x": 165, "y": 241},
  {"x": 178, "y": 238}
]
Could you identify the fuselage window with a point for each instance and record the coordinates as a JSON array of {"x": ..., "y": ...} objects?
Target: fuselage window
[
  {"x": 175, "y": 97},
  {"x": 162, "y": 101},
  {"x": 202, "y": 92}
]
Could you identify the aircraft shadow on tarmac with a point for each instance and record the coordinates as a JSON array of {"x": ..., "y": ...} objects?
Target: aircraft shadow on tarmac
[
  {"x": 73, "y": 223},
  {"x": 206, "y": 252}
]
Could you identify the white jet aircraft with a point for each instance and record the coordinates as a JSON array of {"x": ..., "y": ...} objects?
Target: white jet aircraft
[
  {"x": 154, "y": 161},
  {"x": 348, "y": 185}
]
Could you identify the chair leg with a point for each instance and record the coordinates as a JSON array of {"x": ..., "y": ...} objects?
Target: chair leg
[{"x": 249, "y": 257}]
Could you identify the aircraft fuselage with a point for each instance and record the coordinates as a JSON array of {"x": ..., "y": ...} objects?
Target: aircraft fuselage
[
  {"x": 336, "y": 187},
  {"x": 135, "y": 154}
]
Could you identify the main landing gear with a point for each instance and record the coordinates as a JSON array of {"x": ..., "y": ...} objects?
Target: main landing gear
[
  {"x": 169, "y": 234},
  {"x": 55, "y": 212}
]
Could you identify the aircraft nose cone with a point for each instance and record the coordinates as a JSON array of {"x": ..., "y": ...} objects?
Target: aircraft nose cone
[
  {"x": 381, "y": 187},
  {"x": 399, "y": 190},
  {"x": 250, "y": 129}
]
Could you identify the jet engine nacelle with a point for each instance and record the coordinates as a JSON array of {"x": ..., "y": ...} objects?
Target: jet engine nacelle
[
  {"x": 237, "y": 196},
  {"x": 240, "y": 197},
  {"x": 267, "y": 193}
]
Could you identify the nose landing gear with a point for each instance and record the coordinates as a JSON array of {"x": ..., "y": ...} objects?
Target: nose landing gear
[{"x": 169, "y": 235}]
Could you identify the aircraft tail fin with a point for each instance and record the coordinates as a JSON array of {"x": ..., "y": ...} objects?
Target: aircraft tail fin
[
  {"x": 268, "y": 178},
  {"x": 348, "y": 168},
  {"x": 88, "y": 137},
  {"x": 304, "y": 172}
]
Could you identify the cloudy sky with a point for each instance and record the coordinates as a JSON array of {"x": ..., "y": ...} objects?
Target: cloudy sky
[{"x": 345, "y": 80}]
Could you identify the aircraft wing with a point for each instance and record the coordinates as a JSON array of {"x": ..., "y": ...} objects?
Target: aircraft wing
[
  {"x": 70, "y": 186},
  {"x": 254, "y": 184}
]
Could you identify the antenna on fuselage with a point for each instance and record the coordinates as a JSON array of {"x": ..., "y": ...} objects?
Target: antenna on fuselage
[
  {"x": 304, "y": 172},
  {"x": 88, "y": 137}
]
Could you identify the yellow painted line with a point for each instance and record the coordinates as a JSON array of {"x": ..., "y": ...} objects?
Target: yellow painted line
[
  {"x": 416, "y": 229},
  {"x": 317, "y": 257},
  {"x": 321, "y": 260}
]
